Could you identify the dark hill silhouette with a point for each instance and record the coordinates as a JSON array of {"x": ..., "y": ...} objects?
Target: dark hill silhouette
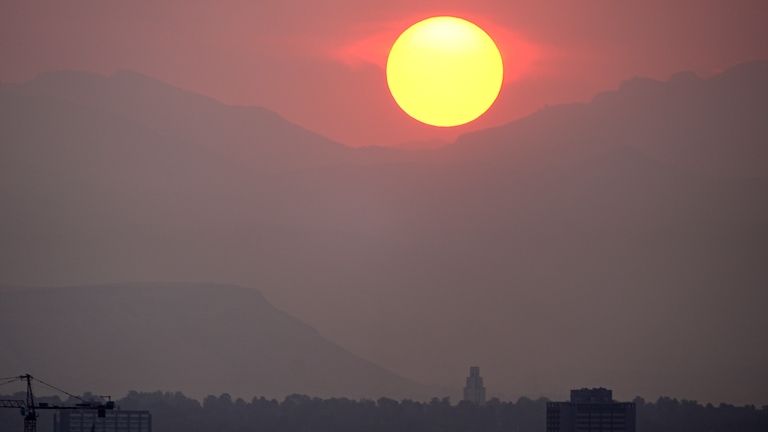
[
  {"x": 620, "y": 242},
  {"x": 178, "y": 336}
]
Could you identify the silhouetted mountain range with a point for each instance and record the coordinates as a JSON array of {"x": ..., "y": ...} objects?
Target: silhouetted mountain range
[
  {"x": 620, "y": 242},
  {"x": 188, "y": 336},
  {"x": 714, "y": 125}
]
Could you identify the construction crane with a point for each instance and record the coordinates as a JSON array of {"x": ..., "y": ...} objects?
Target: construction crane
[{"x": 28, "y": 408}]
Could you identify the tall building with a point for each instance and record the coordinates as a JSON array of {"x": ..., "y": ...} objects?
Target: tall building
[
  {"x": 591, "y": 410},
  {"x": 113, "y": 421},
  {"x": 474, "y": 391}
]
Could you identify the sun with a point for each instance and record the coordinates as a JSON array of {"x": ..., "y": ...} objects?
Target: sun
[{"x": 444, "y": 71}]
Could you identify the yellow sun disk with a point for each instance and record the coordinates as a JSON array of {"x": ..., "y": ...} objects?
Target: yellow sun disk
[{"x": 444, "y": 71}]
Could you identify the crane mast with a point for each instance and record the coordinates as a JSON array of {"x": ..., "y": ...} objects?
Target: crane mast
[{"x": 30, "y": 419}]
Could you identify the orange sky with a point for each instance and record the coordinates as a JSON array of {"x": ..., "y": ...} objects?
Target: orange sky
[{"x": 320, "y": 63}]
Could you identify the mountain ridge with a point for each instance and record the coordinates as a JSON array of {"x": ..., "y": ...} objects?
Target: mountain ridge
[
  {"x": 583, "y": 219},
  {"x": 603, "y": 120}
]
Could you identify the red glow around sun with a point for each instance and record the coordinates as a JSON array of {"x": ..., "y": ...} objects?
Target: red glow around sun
[{"x": 371, "y": 43}]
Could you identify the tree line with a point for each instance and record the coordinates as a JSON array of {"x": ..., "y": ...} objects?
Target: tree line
[{"x": 174, "y": 412}]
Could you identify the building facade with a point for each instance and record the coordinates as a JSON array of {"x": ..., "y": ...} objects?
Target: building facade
[
  {"x": 474, "y": 390},
  {"x": 591, "y": 410},
  {"x": 113, "y": 421}
]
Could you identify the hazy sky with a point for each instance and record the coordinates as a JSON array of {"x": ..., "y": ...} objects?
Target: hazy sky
[
  {"x": 620, "y": 243},
  {"x": 319, "y": 63}
]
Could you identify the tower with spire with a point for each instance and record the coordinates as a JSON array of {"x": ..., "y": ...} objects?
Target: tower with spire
[{"x": 474, "y": 390}]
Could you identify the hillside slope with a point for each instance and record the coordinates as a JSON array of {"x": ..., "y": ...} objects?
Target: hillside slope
[{"x": 197, "y": 338}]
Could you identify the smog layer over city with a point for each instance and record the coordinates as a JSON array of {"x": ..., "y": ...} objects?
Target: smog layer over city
[{"x": 383, "y": 216}]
